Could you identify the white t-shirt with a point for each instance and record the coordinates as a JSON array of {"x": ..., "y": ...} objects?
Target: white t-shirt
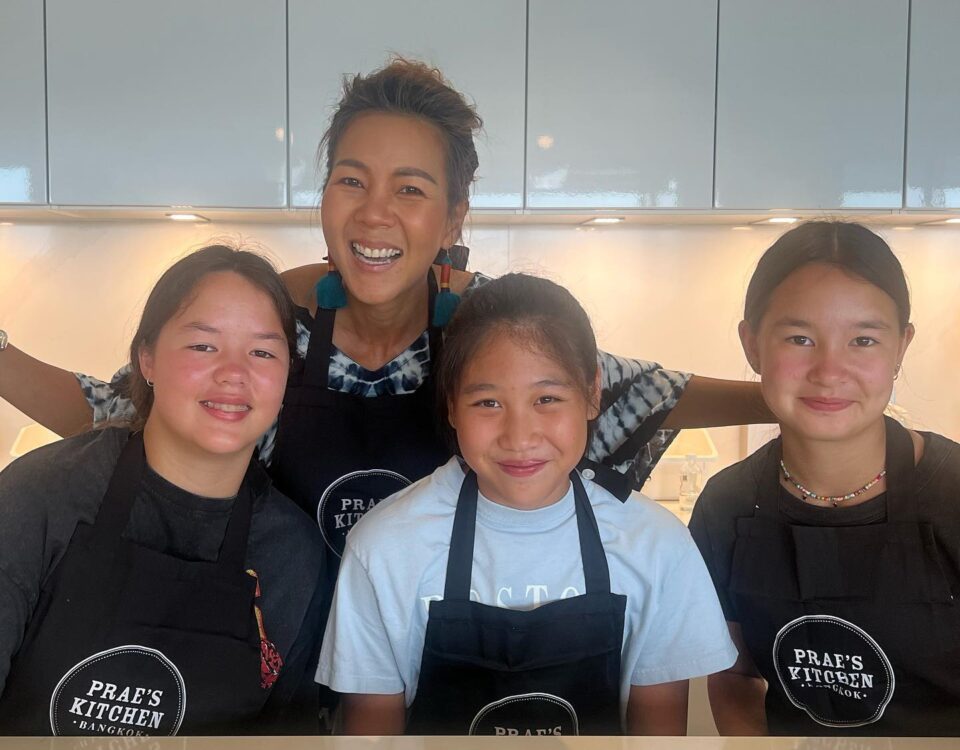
[{"x": 395, "y": 563}]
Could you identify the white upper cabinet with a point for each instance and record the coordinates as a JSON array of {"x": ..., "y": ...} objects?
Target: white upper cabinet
[
  {"x": 811, "y": 103},
  {"x": 23, "y": 148},
  {"x": 179, "y": 102},
  {"x": 480, "y": 47},
  {"x": 621, "y": 104},
  {"x": 933, "y": 114}
]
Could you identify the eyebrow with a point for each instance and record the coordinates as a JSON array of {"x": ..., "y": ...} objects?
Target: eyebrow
[
  {"x": 399, "y": 171},
  {"x": 869, "y": 325},
  {"x": 483, "y": 387},
  {"x": 205, "y": 328}
]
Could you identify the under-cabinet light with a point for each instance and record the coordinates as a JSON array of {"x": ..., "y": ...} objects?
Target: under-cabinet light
[
  {"x": 602, "y": 220},
  {"x": 187, "y": 217}
]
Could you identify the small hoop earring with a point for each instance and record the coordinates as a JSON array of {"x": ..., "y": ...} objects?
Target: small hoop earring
[
  {"x": 896, "y": 371},
  {"x": 149, "y": 383}
]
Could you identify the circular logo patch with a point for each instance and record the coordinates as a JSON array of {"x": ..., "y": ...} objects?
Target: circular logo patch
[
  {"x": 527, "y": 715},
  {"x": 345, "y": 501},
  {"x": 833, "y": 670},
  {"x": 127, "y": 691}
]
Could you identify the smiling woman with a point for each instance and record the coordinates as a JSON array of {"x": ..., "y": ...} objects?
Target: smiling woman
[{"x": 149, "y": 558}]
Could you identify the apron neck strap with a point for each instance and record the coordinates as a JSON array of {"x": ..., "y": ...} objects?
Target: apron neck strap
[
  {"x": 901, "y": 473},
  {"x": 316, "y": 366},
  {"x": 114, "y": 513},
  {"x": 596, "y": 573}
]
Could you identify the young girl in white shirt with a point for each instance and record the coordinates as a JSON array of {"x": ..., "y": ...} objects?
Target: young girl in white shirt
[{"x": 507, "y": 593}]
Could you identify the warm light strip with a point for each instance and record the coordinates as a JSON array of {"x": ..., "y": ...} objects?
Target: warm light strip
[{"x": 187, "y": 217}]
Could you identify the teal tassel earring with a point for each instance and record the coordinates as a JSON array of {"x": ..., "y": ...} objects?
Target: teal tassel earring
[
  {"x": 446, "y": 303},
  {"x": 330, "y": 292}
]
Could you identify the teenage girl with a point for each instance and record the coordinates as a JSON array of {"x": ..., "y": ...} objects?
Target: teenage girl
[
  {"x": 506, "y": 593},
  {"x": 151, "y": 580},
  {"x": 835, "y": 549}
]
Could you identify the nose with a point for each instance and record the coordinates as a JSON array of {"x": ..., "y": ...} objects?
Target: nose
[
  {"x": 231, "y": 370},
  {"x": 519, "y": 431},
  {"x": 376, "y": 208},
  {"x": 829, "y": 367}
]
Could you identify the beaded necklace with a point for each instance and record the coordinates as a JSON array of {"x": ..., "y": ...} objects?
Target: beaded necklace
[{"x": 834, "y": 499}]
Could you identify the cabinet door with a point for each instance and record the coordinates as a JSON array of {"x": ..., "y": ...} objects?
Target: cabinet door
[
  {"x": 933, "y": 119},
  {"x": 23, "y": 157},
  {"x": 810, "y": 103},
  {"x": 180, "y": 102},
  {"x": 620, "y": 104},
  {"x": 480, "y": 48}
]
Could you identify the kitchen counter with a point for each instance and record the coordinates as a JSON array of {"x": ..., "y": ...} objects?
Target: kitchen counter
[{"x": 478, "y": 743}]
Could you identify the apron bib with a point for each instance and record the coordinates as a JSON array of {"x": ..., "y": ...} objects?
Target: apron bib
[
  {"x": 554, "y": 670},
  {"x": 338, "y": 455},
  {"x": 855, "y": 628},
  {"x": 129, "y": 641}
]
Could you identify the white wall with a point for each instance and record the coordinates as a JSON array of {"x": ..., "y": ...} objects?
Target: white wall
[{"x": 70, "y": 293}]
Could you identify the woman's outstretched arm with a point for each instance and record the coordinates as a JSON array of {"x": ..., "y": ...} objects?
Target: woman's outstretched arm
[
  {"x": 709, "y": 402},
  {"x": 46, "y": 394}
]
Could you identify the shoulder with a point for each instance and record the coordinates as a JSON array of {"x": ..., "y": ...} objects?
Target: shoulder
[
  {"x": 81, "y": 463},
  {"x": 418, "y": 512},
  {"x": 738, "y": 484},
  {"x": 939, "y": 467},
  {"x": 635, "y": 522},
  {"x": 301, "y": 282}
]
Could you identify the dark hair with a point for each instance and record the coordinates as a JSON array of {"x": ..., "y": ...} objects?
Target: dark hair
[
  {"x": 529, "y": 309},
  {"x": 175, "y": 290},
  {"x": 408, "y": 87},
  {"x": 846, "y": 245}
]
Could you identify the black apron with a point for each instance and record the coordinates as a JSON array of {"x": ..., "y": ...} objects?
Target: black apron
[
  {"x": 554, "y": 670},
  {"x": 129, "y": 641},
  {"x": 855, "y": 628},
  {"x": 337, "y": 454}
]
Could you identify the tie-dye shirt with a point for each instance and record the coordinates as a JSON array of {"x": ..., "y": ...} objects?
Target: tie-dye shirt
[{"x": 636, "y": 397}]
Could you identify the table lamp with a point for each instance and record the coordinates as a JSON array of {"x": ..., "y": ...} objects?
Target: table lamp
[{"x": 691, "y": 447}]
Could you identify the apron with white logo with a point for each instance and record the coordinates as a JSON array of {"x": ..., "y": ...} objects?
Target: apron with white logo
[
  {"x": 855, "y": 628},
  {"x": 551, "y": 671},
  {"x": 129, "y": 641},
  {"x": 337, "y": 454}
]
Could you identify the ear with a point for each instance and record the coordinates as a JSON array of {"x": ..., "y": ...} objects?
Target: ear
[
  {"x": 145, "y": 359},
  {"x": 455, "y": 224},
  {"x": 905, "y": 340},
  {"x": 748, "y": 340},
  {"x": 450, "y": 420},
  {"x": 593, "y": 407}
]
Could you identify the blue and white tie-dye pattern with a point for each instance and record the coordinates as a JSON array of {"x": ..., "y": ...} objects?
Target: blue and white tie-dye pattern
[{"x": 635, "y": 398}]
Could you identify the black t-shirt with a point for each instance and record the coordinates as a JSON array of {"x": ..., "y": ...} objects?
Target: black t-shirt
[
  {"x": 45, "y": 494},
  {"x": 732, "y": 494}
]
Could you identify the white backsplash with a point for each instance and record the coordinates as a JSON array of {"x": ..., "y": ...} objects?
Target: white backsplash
[{"x": 70, "y": 293}]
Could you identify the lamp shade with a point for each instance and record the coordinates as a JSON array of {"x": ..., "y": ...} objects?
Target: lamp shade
[
  {"x": 30, "y": 437},
  {"x": 695, "y": 442}
]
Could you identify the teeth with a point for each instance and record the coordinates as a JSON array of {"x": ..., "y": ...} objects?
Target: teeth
[
  {"x": 225, "y": 407},
  {"x": 371, "y": 253}
]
